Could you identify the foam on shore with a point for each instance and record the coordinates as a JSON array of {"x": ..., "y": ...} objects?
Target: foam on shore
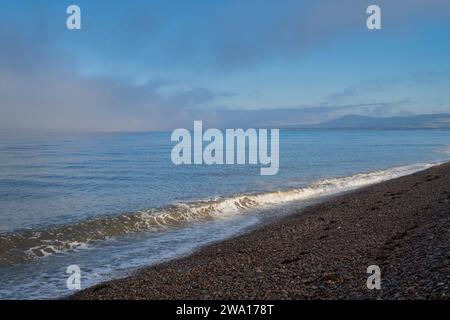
[{"x": 20, "y": 246}]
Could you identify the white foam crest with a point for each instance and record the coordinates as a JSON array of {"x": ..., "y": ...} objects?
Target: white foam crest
[
  {"x": 226, "y": 207},
  {"x": 45, "y": 243},
  {"x": 332, "y": 186}
]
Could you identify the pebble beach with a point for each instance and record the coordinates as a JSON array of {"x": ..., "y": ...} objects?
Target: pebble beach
[{"x": 320, "y": 252}]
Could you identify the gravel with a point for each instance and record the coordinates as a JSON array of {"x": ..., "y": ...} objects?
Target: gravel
[{"x": 321, "y": 252}]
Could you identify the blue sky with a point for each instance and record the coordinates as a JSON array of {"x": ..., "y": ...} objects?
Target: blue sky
[{"x": 157, "y": 65}]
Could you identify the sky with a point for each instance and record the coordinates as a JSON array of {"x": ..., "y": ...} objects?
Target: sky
[{"x": 158, "y": 65}]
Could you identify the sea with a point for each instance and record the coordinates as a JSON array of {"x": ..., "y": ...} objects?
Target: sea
[{"x": 111, "y": 203}]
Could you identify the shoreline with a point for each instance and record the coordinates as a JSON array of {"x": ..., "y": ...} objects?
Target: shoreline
[{"x": 319, "y": 252}]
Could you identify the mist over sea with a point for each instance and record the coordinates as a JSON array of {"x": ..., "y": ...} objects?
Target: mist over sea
[{"x": 112, "y": 203}]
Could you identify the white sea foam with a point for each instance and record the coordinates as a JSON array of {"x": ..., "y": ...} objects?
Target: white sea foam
[
  {"x": 323, "y": 187},
  {"x": 27, "y": 245}
]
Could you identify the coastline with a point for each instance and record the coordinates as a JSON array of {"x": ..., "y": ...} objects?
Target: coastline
[{"x": 319, "y": 252}]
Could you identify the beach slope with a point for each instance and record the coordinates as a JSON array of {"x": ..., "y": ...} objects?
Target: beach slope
[{"x": 321, "y": 252}]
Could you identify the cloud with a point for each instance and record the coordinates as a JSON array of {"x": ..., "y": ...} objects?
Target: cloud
[
  {"x": 233, "y": 34},
  {"x": 41, "y": 93},
  {"x": 44, "y": 96},
  {"x": 282, "y": 117},
  {"x": 54, "y": 102},
  {"x": 245, "y": 34},
  {"x": 362, "y": 88},
  {"x": 42, "y": 86}
]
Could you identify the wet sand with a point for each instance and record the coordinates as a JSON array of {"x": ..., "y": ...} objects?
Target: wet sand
[{"x": 321, "y": 252}]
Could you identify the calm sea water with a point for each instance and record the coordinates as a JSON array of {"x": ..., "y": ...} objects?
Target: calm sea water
[{"x": 111, "y": 203}]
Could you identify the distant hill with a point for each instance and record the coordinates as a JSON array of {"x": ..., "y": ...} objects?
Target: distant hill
[{"x": 351, "y": 121}]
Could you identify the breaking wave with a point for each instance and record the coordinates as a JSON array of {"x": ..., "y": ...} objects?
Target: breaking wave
[{"x": 31, "y": 244}]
